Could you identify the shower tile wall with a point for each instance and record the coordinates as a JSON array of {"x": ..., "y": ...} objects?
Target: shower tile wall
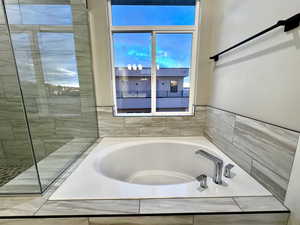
[
  {"x": 53, "y": 55},
  {"x": 111, "y": 126},
  {"x": 15, "y": 147},
  {"x": 265, "y": 151}
]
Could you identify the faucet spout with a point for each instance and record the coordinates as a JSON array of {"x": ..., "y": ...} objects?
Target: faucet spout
[{"x": 218, "y": 165}]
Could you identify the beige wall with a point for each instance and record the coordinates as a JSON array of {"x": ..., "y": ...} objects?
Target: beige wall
[
  {"x": 100, "y": 42},
  {"x": 204, "y": 65},
  {"x": 260, "y": 80},
  {"x": 99, "y": 27}
]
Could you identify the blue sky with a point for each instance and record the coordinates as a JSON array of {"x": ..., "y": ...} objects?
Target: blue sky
[
  {"x": 38, "y": 14},
  {"x": 172, "y": 50},
  {"x": 123, "y": 15}
]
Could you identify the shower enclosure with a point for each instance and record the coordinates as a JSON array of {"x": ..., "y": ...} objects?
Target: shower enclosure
[{"x": 47, "y": 101}]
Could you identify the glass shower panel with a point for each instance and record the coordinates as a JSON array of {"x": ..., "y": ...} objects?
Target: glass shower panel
[
  {"x": 51, "y": 45},
  {"x": 17, "y": 168},
  {"x": 39, "y": 14}
]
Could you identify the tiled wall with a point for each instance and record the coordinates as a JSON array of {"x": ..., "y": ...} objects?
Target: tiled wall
[
  {"x": 14, "y": 139},
  {"x": 242, "y": 219},
  {"x": 55, "y": 119},
  {"x": 57, "y": 113},
  {"x": 110, "y": 125},
  {"x": 265, "y": 151}
]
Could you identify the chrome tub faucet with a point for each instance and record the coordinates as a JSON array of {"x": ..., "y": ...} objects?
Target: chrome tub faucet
[
  {"x": 227, "y": 171},
  {"x": 202, "y": 180},
  {"x": 217, "y": 178}
]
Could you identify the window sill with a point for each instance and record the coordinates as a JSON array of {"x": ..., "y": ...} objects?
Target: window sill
[{"x": 186, "y": 114}]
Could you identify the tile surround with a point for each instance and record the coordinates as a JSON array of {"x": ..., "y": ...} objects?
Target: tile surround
[
  {"x": 147, "y": 220},
  {"x": 249, "y": 204},
  {"x": 272, "y": 181},
  {"x": 112, "y": 126},
  {"x": 22, "y": 206},
  {"x": 85, "y": 211},
  {"x": 41, "y": 206},
  {"x": 263, "y": 150},
  {"x": 89, "y": 207},
  {"x": 52, "y": 221},
  {"x": 188, "y": 205},
  {"x": 250, "y": 219},
  {"x": 272, "y": 146}
]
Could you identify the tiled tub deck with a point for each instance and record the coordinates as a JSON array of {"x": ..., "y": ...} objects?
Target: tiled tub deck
[{"x": 196, "y": 211}]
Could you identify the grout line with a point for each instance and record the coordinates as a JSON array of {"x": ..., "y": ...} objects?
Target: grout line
[
  {"x": 139, "y": 210},
  {"x": 38, "y": 209},
  {"x": 251, "y": 166},
  {"x": 233, "y": 198},
  {"x": 234, "y": 130}
]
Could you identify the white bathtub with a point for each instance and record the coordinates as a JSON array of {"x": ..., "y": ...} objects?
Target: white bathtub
[{"x": 139, "y": 168}]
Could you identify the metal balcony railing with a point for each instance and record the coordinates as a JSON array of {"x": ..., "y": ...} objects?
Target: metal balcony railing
[{"x": 159, "y": 94}]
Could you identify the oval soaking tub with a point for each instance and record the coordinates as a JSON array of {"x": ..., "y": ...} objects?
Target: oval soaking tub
[
  {"x": 155, "y": 163},
  {"x": 138, "y": 168}
]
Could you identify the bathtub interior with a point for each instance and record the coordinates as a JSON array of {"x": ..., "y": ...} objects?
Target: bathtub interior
[
  {"x": 147, "y": 168},
  {"x": 156, "y": 163}
]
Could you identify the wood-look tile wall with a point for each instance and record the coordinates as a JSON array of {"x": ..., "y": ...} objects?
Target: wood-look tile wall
[
  {"x": 56, "y": 119},
  {"x": 14, "y": 143},
  {"x": 56, "y": 114},
  {"x": 110, "y": 125},
  {"x": 265, "y": 151}
]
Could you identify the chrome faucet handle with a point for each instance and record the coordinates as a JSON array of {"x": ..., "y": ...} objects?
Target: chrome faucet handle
[
  {"x": 217, "y": 178},
  {"x": 203, "y": 181},
  {"x": 227, "y": 171}
]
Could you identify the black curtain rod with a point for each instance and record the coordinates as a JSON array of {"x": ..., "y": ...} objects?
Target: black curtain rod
[{"x": 289, "y": 24}]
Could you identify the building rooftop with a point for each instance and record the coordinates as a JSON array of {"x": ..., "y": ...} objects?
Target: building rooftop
[{"x": 162, "y": 72}]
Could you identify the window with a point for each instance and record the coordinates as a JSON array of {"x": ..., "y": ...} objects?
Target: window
[
  {"x": 173, "y": 86},
  {"x": 59, "y": 63},
  {"x": 132, "y": 59},
  {"x": 125, "y": 15},
  {"x": 153, "y": 55}
]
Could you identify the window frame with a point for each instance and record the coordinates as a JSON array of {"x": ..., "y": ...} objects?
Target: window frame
[{"x": 154, "y": 30}]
